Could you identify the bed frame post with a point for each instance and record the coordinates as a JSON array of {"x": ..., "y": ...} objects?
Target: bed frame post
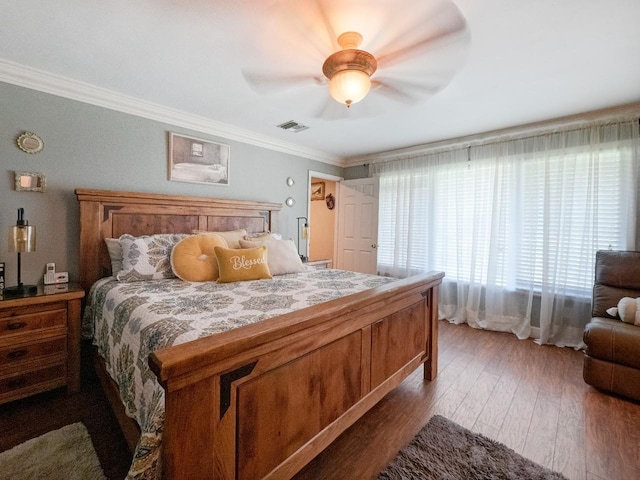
[
  {"x": 431, "y": 364},
  {"x": 89, "y": 243}
]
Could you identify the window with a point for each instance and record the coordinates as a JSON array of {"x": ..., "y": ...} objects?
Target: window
[
  {"x": 524, "y": 206},
  {"x": 580, "y": 203},
  {"x": 514, "y": 225}
]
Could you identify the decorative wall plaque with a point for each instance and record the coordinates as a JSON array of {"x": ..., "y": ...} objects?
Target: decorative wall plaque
[{"x": 29, "y": 142}]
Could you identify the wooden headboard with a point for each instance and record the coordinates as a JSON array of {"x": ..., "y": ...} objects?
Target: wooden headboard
[{"x": 111, "y": 213}]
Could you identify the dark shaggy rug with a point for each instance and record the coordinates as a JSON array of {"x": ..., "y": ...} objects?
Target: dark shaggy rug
[{"x": 443, "y": 450}]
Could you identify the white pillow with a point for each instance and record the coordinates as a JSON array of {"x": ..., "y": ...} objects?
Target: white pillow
[
  {"x": 115, "y": 253},
  {"x": 282, "y": 255},
  {"x": 231, "y": 236},
  {"x": 262, "y": 236},
  {"x": 613, "y": 311},
  {"x": 629, "y": 310},
  {"x": 257, "y": 237},
  {"x": 147, "y": 257}
]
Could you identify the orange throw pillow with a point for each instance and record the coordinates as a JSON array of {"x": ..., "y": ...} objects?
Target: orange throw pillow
[{"x": 194, "y": 258}]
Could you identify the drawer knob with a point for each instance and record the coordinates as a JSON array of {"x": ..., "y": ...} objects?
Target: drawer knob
[
  {"x": 16, "y": 325},
  {"x": 17, "y": 354}
]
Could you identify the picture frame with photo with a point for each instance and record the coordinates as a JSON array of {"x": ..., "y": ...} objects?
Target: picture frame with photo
[
  {"x": 196, "y": 160},
  {"x": 317, "y": 191}
]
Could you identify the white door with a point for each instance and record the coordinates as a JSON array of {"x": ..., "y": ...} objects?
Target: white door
[{"x": 358, "y": 225}]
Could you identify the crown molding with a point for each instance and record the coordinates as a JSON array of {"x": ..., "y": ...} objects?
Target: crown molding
[
  {"x": 616, "y": 113},
  {"x": 46, "y": 82}
]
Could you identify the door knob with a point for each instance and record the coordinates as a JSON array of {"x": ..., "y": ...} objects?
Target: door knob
[{"x": 374, "y": 245}]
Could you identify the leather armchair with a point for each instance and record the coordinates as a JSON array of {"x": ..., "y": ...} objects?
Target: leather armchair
[{"x": 612, "y": 356}]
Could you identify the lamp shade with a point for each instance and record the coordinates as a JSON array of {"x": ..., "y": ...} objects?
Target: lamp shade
[
  {"x": 22, "y": 238},
  {"x": 349, "y": 86}
]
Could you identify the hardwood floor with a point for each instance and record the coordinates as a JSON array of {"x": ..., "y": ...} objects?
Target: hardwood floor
[
  {"x": 39, "y": 414},
  {"x": 531, "y": 398}
]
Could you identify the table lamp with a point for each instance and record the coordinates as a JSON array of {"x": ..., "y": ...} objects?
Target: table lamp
[
  {"x": 304, "y": 234},
  {"x": 22, "y": 238}
]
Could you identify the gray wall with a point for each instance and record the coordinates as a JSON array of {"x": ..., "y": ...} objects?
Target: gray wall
[
  {"x": 92, "y": 147},
  {"x": 353, "y": 173}
]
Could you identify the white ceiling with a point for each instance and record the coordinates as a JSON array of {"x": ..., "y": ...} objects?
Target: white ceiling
[{"x": 518, "y": 62}]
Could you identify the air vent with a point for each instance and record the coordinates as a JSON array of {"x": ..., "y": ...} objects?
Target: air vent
[{"x": 293, "y": 126}]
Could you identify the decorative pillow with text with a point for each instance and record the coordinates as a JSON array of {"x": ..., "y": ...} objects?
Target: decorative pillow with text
[{"x": 242, "y": 264}]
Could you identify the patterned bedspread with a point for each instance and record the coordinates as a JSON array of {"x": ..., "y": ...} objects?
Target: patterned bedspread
[{"x": 127, "y": 321}]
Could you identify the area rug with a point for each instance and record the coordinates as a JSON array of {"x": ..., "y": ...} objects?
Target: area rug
[
  {"x": 64, "y": 454},
  {"x": 443, "y": 450}
]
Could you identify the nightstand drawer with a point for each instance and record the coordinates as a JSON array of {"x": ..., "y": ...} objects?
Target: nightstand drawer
[
  {"x": 23, "y": 384},
  {"x": 52, "y": 349},
  {"x": 40, "y": 342},
  {"x": 22, "y": 320}
]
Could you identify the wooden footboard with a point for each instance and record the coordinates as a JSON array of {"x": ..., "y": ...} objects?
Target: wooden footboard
[{"x": 263, "y": 400}]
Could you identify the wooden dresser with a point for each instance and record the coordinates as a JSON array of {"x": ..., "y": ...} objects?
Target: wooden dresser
[{"x": 40, "y": 342}]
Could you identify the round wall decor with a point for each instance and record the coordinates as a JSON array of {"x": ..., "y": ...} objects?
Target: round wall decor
[{"x": 29, "y": 142}]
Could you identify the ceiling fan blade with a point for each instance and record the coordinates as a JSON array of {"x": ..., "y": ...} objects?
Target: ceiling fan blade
[
  {"x": 395, "y": 93},
  {"x": 333, "y": 36},
  {"x": 407, "y": 92},
  {"x": 329, "y": 110},
  {"x": 448, "y": 27},
  {"x": 269, "y": 84},
  {"x": 422, "y": 47},
  {"x": 407, "y": 87},
  {"x": 306, "y": 26}
]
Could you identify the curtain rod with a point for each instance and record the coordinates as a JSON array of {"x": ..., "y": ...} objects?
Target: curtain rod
[{"x": 564, "y": 124}]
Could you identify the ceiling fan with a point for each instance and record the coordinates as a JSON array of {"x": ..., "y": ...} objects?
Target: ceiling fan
[
  {"x": 416, "y": 52},
  {"x": 349, "y": 70}
]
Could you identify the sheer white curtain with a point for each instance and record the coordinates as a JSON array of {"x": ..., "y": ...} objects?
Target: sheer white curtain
[{"x": 514, "y": 225}]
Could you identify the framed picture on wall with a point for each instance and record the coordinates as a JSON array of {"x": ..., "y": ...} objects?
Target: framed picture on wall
[
  {"x": 317, "y": 191},
  {"x": 196, "y": 160}
]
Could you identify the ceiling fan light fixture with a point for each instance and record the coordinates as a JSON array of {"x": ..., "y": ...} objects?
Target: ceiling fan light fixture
[
  {"x": 349, "y": 86},
  {"x": 349, "y": 70}
]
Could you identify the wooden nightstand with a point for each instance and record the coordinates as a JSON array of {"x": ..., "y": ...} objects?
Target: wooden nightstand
[
  {"x": 319, "y": 263},
  {"x": 40, "y": 342}
]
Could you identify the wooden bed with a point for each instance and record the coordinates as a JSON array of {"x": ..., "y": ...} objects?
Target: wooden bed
[{"x": 262, "y": 400}]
